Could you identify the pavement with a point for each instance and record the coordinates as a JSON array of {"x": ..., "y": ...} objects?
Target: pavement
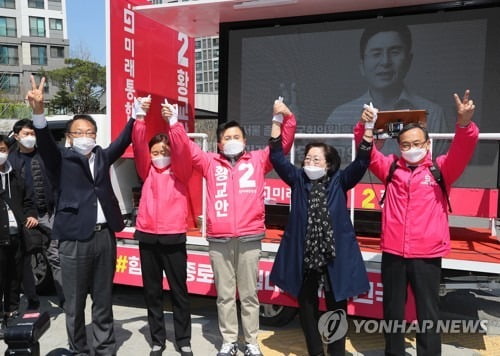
[{"x": 132, "y": 331}]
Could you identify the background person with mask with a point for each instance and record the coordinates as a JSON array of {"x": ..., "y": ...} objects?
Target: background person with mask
[
  {"x": 415, "y": 232},
  {"x": 85, "y": 222},
  {"x": 28, "y": 164},
  {"x": 161, "y": 228},
  {"x": 16, "y": 210},
  {"x": 385, "y": 51},
  {"x": 319, "y": 246},
  {"x": 235, "y": 213}
]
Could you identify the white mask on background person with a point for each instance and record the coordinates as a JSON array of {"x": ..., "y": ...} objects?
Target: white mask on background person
[
  {"x": 414, "y": 154},
  {"x": 314, "y": 172},
  {"x": 161, "y": 162},
  {"x": 28, "y": 141},
  {"x": 233, "y": 148},
  {"x": 83, "y": 145},
  {"x": 3, "y": 157}
]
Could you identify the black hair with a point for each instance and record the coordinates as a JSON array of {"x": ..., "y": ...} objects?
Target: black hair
[
  {"x": 413, "y": 125},
  {"x": 227, "y": 125},
  {"x": 20, "y": 124},
  {"x": 81, "y": 117},
  {"x": 332, "y": 156},
  {"x": 402, "y": 30},
  {"x": 161, "y": 137},
  {"x": 5, "y": 139}
]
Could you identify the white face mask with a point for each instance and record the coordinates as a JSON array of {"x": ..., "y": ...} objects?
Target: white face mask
[
  {"x": 314, "y": 172},
  {"x": 233, "y": 148},
  {"x": 83, "y": 145},
  {"x": 3, "y": 157},
  {"x": 414, "y": 155},
  {"x": 28, "y": 141},
  {"x": 161, "y": 162}
]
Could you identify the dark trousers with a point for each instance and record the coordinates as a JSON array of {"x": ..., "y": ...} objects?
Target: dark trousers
[
  {"x": 424, "y": 277},
  {"x": 156, "y": 258},
  {"x": 10, "y": 275},
  {"x": 89, "y": 266},
  {"x": 309, "y": 315}
]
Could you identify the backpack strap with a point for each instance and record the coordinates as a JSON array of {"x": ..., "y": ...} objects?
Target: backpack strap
[
  {"x": 436, "y": 173},
  {"x": 387, "y": 181}
]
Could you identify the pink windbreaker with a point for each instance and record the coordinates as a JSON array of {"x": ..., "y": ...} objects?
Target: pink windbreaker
[
  {"x": 235, "y": 195},
  {"x": 163, "y": 207},
  {"x": 415, "y": 218}
]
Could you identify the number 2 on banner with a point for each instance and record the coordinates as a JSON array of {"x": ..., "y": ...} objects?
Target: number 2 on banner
[
  {"x": 181, "y": 55},
  {"x": 368, "y": 201}
]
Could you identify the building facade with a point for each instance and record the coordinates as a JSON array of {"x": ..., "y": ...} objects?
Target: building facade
[{"x": 33, "y": 37}]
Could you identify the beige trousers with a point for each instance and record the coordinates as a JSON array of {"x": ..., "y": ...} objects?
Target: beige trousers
[{"x": 235, "y": 266}]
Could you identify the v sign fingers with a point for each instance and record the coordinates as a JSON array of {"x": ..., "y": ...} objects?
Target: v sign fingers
[
  {"x": 465, "y": 108},
  {"x": 35, "y": 96}
]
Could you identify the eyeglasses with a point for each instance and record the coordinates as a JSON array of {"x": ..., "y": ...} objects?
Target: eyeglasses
[
  {"x": 314, "y": 160},
  {"x": 90, "y": 134},
  {"x": 405, "y": 146}
]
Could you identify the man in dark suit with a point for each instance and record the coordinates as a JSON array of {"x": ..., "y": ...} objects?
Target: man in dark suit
[{"x": 86, "y": 219}]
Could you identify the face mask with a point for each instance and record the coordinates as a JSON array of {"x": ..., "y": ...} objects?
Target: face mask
[
  {"x": 314, "y": 172},
  {"x": 414, "y": 155},
  {"x": 233, "y": 148},
  {"x": 161, "y": 162},
  {"x": 3, "y": 157},
  {"x": 28, "y": 141},
  {"x": 83, "y": 145}
]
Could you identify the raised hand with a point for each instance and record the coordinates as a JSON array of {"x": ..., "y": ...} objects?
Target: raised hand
[
  {"x": 35, "y": 96},
  {"x": 279, "y": 107},
  {"x": 465, "y": 108},
  {"x": 169, "y": 112}
]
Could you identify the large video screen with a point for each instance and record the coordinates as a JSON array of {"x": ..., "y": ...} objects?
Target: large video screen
[{"x": 327, "y": 70}]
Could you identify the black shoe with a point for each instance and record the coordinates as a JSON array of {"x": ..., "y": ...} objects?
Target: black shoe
[
  {"x": 157, "y": 350},
  {"x": 186, "y": 350},
  {"x": 33, "y": 304}
]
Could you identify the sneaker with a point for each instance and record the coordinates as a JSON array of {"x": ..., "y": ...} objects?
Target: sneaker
[
  {"x": 229, "y": 349},
  {"x": 157, "y": 350},
  {"x": 186, "y": 351},
  {"x": 252, "y": 350}
]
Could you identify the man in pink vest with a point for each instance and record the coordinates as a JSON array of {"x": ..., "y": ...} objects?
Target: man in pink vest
[
  {"x": 415, "y": 232},
  {"x": 235, "y": 218}
]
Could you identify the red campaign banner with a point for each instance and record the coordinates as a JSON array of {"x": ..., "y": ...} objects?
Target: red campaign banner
[
  {"x": 147, "y": 58},
  {"x": 200, "y": 280},
  {"x": 464, "y": 201}
]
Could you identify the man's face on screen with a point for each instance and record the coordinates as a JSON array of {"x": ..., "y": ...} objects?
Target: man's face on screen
[{"x": 385, "y": 61}]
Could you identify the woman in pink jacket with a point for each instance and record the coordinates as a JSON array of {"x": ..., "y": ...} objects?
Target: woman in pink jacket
[{"x": 161, "y": 231}]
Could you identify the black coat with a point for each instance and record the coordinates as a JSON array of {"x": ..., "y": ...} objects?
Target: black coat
[
  {"x": 18, "y": 200},
  {"x": 76, "y": 208},
  {"x": 347, "y": 271}
]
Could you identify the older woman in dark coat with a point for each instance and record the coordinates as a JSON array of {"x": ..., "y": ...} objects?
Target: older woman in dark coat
[{"x": 319, "y": 246}]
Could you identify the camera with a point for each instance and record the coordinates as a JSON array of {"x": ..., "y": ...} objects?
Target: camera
[{"x": 22, "y": 336}]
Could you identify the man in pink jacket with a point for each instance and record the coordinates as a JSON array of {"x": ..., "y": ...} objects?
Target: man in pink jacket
[
  {"x": 415, "y": 232},
  {"x": 235, "y": 221}
]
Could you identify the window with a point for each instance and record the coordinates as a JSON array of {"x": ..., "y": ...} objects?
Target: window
[
  {"x": 199, "y": 88},
  {"x": 9, "y": 83},
  {"x": 55, "y": 24},
  {"x": 199, "y": 77},
  {"x": 197, "y": 55},
  {"x": 215, "y": 42},
  {"x": 37, "y": 26},
  {"x": 216, "y": 75},
  {"x": 36, "y": 4},
  {"x": 197, "y": 44},
  {"x": 8, "y": 4},
  {"x": 56, "y": 52},
  {"x": 38, "y": 55},
  {"x": 8, "y": 27},
  {"x": 198, "y": 66},
  {"x": 9, "y": 55}
]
